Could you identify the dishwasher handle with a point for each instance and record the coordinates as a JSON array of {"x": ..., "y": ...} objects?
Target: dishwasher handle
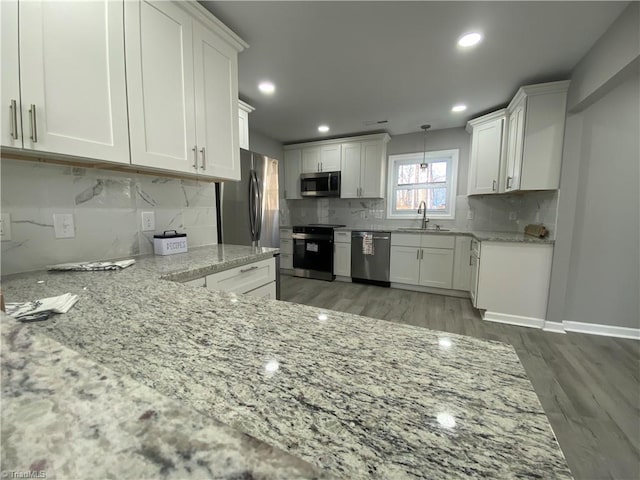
[{"x": 376, "y": 235}]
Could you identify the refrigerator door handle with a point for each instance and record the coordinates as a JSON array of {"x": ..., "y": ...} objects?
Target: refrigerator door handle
[
  {"x": 252, "y": 220},
  {"x": 258, "y": 206}
]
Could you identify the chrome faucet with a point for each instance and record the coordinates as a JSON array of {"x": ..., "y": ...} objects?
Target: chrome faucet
[{"x": 422, "y": 209}]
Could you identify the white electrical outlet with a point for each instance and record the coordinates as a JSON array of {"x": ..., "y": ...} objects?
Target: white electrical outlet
[
  {"x": 148, "y": 221},
  {"x": 513, "y": 216},
  {"x": 63, "y": 225},
  {"x": 470, "y": 215},
  {"x": 5, "y": 226}
]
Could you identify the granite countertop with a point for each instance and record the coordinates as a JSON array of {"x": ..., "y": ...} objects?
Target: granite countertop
[
  {"x": 67, "y": 416},
  {"x": 483, "y": 236},
  {"x": 353, "y": 396}
]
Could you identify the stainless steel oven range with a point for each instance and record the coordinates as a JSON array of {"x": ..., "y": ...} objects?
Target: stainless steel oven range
[{"x": 313, "y": 251}]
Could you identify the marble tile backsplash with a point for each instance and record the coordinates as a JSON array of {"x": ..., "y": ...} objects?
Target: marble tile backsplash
[
  {"x": 490, "y": 212},
  {"x": 107, "y": 210}
]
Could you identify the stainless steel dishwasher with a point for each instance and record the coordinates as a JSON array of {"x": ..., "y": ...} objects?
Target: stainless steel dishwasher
[{"x": 370, "y": 265}]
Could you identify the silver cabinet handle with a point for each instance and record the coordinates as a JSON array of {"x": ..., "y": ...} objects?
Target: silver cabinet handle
[
  {"x": 470, "y": 257},
  {"x": 34, "y": 126},
  {"x": 418, "y": 254},
  {"x": 493, "y": 187},
  {"x": 245, "y": 270},
  {"x": 14, "y": 119},
  {"x": 421, "y": 254},
  {"x": 509, "y": 182},
  {"x": 204, "y": 161},
  {"x": 195, "y": 156}
]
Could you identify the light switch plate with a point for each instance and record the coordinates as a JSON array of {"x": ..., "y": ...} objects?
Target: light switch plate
[
  {"x": 148, "y": 221},
  {"x": 5, "y": 226},
  {"x": 63, "y": 225}
]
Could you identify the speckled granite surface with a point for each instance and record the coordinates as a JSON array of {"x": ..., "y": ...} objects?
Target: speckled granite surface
[
  {"x": 66, "y": 416},
  {"x": 356, "y": 397},
  {"x": 517, "y": 237}
]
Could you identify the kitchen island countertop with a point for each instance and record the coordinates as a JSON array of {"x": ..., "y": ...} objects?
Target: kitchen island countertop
[{"x": 355, "y": 397}]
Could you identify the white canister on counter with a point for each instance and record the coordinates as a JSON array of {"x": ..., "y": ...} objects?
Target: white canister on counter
[{"x": 169, "y": 242}]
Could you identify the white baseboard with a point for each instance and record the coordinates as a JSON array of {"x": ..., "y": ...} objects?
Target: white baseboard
[
  {"x": 556, "y": 327},
  {"x": 513, "y": 319},
  {"x": 439, "y": 291},
  {"x": 340, "y": 278},
  {"x": 598, "y": 329}
]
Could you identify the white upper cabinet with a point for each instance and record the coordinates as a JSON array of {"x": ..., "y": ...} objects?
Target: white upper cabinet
[
  {"x": 161, "y": 86},
  {"x": 72, "y": 74},
  {"x": 292, "y": 170},
  {"x": 183, "y": 90},
  {"x": 361, "y": 161},
  {"x": 350, "y": 176},
  {"x": 11, "y": 116},
  {"x": 216, "y": 88},
  {"x": 486, "y": 153},
  {"x": 311, "y": 160},
  {"x": 244, "y": 109},
  {"x": 535, "y": 137},
  {"x": 363, "y": 167}
]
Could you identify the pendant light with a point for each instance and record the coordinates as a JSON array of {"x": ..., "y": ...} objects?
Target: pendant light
[{"x": 424, "y": 163}]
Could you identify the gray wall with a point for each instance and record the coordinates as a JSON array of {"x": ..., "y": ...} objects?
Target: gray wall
[
  {"x": 446, "y": 139},
  {"x": 596, "y": 268}
]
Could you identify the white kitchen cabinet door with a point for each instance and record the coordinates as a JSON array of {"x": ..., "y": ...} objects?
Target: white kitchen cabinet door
[
  {"x": 514, "y": 146},
  {"x": 486, "y": 151},
  {"x": 216, "y": 90},
  {"x": 286, "y": 261},
  {"x": 475, "y": 273},
  {"x": 160, "y": 83},
  {"x": 342, "y": 259},
  {"x": 72, "y": 71},
  {"x": 436, "y": 267},
  {"x": 462, "y": 264},
  {"x": 11, "y": 115},
  {"x": 267, "y": 291},
  {"x": 405, "y": 265},
  {"x": 311, "y": 160},
  {"x": 350, "y": 177},
  {"x": 292, "y": 170},
  {"x": 244, "y": 109},
  {"x": 330, "y": 158},
  {"x": 372, "y": 169}
]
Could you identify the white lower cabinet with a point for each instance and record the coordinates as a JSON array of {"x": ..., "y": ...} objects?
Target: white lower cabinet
[
  {"x": 405, "y": 266},
  {"x": 244, "y": 279},
  {"x": 513, "y": 282},
  {"x": 462, "y": 264},
  {"x": 286, "y": 249},
  {"x": 265, "y": 291},
  {"x": 342, "y": 254},
  {"x": 425, "y": 260}
]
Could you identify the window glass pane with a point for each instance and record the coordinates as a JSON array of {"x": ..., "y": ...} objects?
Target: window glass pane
[
  {"x": 438, "y": 172},
  {"x": 407, "y": 200},
  {"x": 437, "y": 199},
  {"x": 410, "y": 173}
]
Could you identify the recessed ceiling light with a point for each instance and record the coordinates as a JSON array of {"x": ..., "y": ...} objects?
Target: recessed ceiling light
[
  {"x": 469, "y": 39},
  {"x": 459, "y": 108},
  {"x": 323, "y": 128},
  {"x": 267, "y": 87}
]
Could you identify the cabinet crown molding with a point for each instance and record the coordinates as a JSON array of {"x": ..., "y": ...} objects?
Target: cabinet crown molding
[
  {"x": 539, "y": 89},
  {"x": 210, "y": 21},
  {"x": 245, "y": 106},
  {"x": 384, "y": 137},
  {"x": 502, "y": 113}
]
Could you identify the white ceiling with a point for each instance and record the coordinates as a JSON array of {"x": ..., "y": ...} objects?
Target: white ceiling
[{"x": 347, "y": 63}]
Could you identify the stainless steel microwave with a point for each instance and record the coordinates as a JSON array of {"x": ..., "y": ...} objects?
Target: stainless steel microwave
[{"x": 322, "y": 184}]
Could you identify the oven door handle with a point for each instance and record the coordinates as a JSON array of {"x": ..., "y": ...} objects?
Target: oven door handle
[{"x": 311, "y": 236}]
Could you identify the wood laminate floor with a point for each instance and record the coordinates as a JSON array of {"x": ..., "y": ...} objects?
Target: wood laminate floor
[{"x": 589, "y": 385}]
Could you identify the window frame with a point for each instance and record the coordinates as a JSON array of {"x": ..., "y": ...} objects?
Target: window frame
[{"x": 452, "y": 182}]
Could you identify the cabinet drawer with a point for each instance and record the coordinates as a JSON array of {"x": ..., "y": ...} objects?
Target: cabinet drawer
[
  {"x": 342, "y": 237},
  {"x": 285, "y": 233},
  {"x": 405, "y": 239},
  {"x": 245, "y": 278},
  {"x": 286, "y": 261},
  {"x": 265, "y": 291},
  {"x": 286, "y": 245},
  {"x": 438, "y": 241}
]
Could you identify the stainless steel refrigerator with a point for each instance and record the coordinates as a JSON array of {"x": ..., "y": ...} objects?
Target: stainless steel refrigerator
[{"x": 248, "y": 210}]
